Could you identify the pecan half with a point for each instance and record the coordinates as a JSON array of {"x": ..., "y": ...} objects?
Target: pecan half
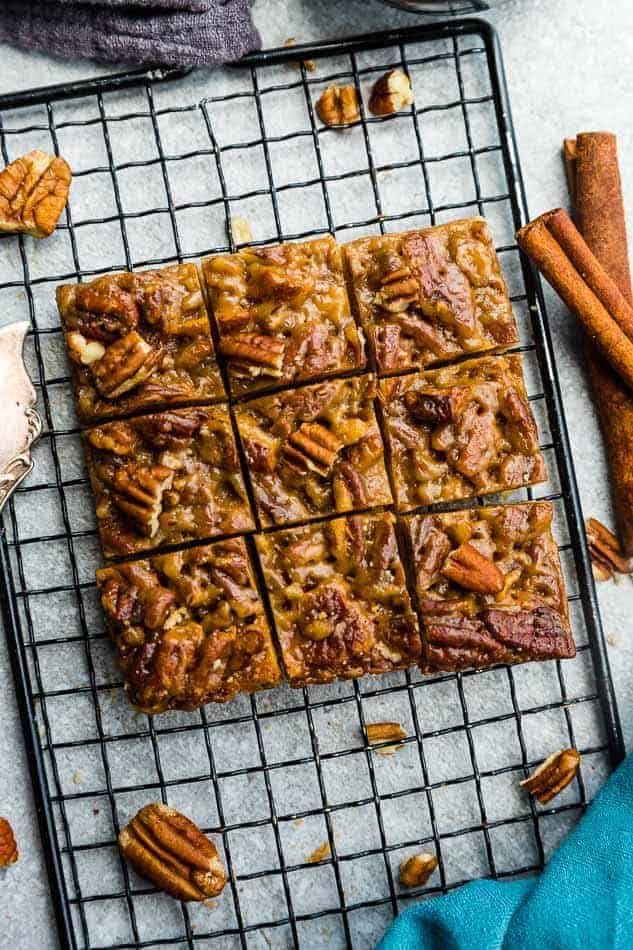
[
  {"x": 138, "y": 493},
  {"x": 385, "y": 732},
  {"x": 416, "y": 870},
  {"x": 126, "y": 363},
  {"x": 8, "y": 847},
  {"x": 104, "y": 311},
  {"x": 170, "y": 851},
  {"x": 254, "y": 353},
  {"x": 313, "y": 447},
  {"x": 552, "y": 775},
  {"x": 33, "y": 193},
  {"x": 399, "y": 289},
  {"x": 467, "y": 567},
  {"x": 390, "y": 93},
  {"x": 338, "y": 105},
  {"x": 607, "y": 558}
]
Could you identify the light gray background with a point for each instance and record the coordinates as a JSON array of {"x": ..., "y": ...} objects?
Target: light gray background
[{"x": 569, "y": 66}]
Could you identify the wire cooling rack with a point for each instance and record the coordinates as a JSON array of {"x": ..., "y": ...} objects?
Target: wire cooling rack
[{"x": 274, "y": 776}]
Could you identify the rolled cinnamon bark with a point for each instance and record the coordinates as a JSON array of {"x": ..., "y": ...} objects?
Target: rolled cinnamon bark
[
  {"x": 563, "y": 257},
  {"x": 593, "y": 172}
]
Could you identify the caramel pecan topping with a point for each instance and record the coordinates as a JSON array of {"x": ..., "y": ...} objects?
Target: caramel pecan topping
[
  {"x": 33, "y": 193},
  {"x": 170, "y": 851},
  {"x": 552, "y": 775}
]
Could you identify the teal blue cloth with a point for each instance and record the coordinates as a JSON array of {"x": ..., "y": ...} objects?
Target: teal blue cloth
[{"x": 583, "y": 898}]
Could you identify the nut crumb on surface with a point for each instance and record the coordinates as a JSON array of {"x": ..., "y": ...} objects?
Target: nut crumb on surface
[
  {"x": 78, "y": 777},
  {"x": 416, "y": 870},
  {"x": 321, "y": 853},
  {"x": 612, "y": 640}
]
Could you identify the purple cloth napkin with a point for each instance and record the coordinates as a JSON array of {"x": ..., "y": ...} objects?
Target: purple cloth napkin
[
  {"x": 221, "y": 33},
  {"x": 169, "y": 4}
]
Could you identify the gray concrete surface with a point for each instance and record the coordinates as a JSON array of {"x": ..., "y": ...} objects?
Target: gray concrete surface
[{"x": 569, "y": 68}]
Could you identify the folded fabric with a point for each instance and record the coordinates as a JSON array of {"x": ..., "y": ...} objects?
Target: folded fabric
[
  {"x": 583, "y": 898},
  {"x": 195, "y": 5},
  {"x": 220, "y": 34}
]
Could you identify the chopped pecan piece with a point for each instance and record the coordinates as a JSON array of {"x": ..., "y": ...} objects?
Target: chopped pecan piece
[
  {"x": 391, "y": 732},
  {"x": 170, "y": 851},
  {"x": 8, "y": 847},
  {"x": 416, "y": 870},
  {"x": 320, "y": 854},
  {"x": 552, "y": 775},
  {"x": 84, "y": 351},
  {"x": 391, "y": 93},
  {"x": 468, "y": 568},
  {"x": 33, "y": 193},
  {"x": 338, "y": 105},
  {"x": 125, "y": 364}
]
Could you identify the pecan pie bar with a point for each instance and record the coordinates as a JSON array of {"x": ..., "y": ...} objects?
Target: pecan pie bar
[
  {"x": 282, "y": 314},
  {"x": 165, "y": 478},
  {"x": 489, "y": 586},
  {"x": 460, "y": 431},
  {"x": 314, "y": 451},
  {"x": 189, "y": 627},
  {"x": 431, "y": 295},
  {"x": 339, "y": 599},
  {"x": 139, "y": 340}
]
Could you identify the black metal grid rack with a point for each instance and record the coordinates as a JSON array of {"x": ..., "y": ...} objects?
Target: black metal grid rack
[{"x": 271, "y": 777}]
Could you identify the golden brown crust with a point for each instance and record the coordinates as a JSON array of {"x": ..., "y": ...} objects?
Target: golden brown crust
[
  {"x": 189, "y": 627},
  {"x": 166, "y": 478},
  {"x": 339, "y": 599},
  {"x": 33, "y": 193},
  {"x": 282, "y": 314},
  {"x": 471, "y": 621},
  {"x": 314, "y": 451},
  {"x": 139, "y": 340},
  {"x": 460, "y": 431},
  {"x": 431, "y": 295}
]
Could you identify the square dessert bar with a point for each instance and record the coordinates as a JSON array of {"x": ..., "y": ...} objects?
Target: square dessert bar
[
  {"x": 460, "y": 431},
  {"x": 282, "y": 314},
  {"x": 431, "y": 295},
  {"x": 314, "y": 451},
  {"x": 189, "y": 627},
  {"x": 339, "y": 599},
  {"x": 137, "y": 341},
  {"x": 489, "y": 587},
  {"x": 166, "y": 478}
]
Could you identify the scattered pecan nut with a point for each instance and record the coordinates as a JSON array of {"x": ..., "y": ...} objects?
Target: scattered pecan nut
[
  {"x": 8, "y": 847},
  {"x": 338, "y": 105},
  {"x": 309, "y": 64},
  {"x": 391, "y": 93},
  {"x": 467, "y": 567},
  {"x": 552, "y": 775},
  {"x": 385, "y": 732},
  {"x": 607, "y": 558},
  {"x": 33, "y": 193},
  {"x": 416, "y": 870},
  {"x": 170, "y": 851}
]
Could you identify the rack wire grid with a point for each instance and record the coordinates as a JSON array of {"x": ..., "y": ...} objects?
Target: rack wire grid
[{"x": 273, "y": 776}]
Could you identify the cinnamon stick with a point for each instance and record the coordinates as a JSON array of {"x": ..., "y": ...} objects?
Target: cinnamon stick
[
  {"x": 563, "y": 257},
  {"x": 593, "y": 172}
]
